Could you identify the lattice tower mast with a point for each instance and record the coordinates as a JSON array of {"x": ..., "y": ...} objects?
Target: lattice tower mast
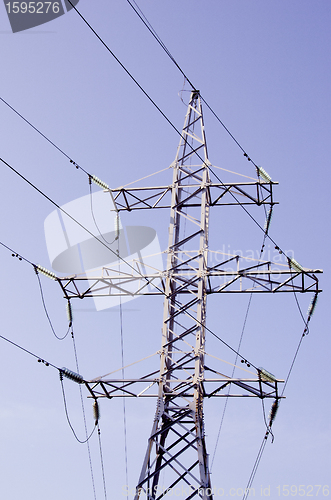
[{"x": 177, "y": 440}]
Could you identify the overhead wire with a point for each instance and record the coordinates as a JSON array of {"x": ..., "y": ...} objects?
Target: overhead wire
[
  {"x": 255, "y": 466},
  {"x": 46, "y": 311},
  {"x": 278, "y": 400},
  {"x": 165, "y": 115},
  {"x": 123, "y": 373},
  {"x": 169, "y": 121},
  {"x": 150, "y": 28},
  {"x": 84, "y": 415},
  {"x": 102, "y": 463},
  {"x": 20, "y": 257},
  {"x": 120, "y": 258},
  {"x": 43, "y": 135},
  {"x": 82, "y": 441},
  {"x": 164, "y": 47},
  {"x": 162, "y": 113},
  {"x": 111, "y": 250},
  {"x": 234, "y": 366},
  {"x": 39, "y": 358}
]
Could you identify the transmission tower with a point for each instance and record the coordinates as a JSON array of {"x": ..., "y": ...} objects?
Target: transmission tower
[{"x": 177, "y": 445}]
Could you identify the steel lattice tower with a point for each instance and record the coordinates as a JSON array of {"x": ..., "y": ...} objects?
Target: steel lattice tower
[
  {"x": 178, "y": 438},
  {"x": 177, "y": 441}
]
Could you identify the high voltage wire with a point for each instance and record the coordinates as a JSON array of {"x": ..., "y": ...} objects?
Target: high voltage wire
[
  {"x": 44, "y": 136},
  {"x": 237, "y": 353},
  {"x": 84, "y": 416},
  {"x": 234, "y": 366},
  {"x": 166, "y": 50},
  {"x": 60, "y": 370},
  {"x": 150, "y": 28},
  {"x": 115, "y": 253},
  {"x": 40, "y": 359},
  {"x": 170, "y": 122},
  {"x": 162, "y": 113},
  {"x": 23, "y": 258},
  {"x": 262, "y": 447}
]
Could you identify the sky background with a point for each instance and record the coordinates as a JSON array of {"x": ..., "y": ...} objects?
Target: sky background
[{"x": 264, "y": 68}]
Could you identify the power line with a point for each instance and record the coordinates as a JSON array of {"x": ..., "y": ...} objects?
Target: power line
[
  {"x": 150, "y": 28},
  {"x": 261, "y": 450},
  {"x": 169, "y": 121},
  {"x": 46, "y": 311},
  {"x": 102, "y": 463},
  {"x": 115, "y": 253},
  {"x": 84, "y": 416},
  {"x": 159, "y": 109},
  {"x": 67, "y": 415},
  {"x": 43, "y": 135},
  {"x": 40, "y": 359},
  {"x": 234, "y": 366}
]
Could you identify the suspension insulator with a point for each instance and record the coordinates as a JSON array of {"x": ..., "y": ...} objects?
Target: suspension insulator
[
  {"x": 268, "y": 220},
  {"x": 72, "y": 375},
  {"x": 96, "y": 411},
  {"x": 69, "y": 312},
  {"x": 273, "y": 411},
  {"x": 312, "y": 306},
  {"x": 117, "y": 225}
]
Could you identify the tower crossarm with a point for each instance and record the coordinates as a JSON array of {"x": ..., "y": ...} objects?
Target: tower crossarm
[
  {"x": 262, "y": 278},
  {"x": 146, "y": 387},
  {"x": 219, "y": 194}
]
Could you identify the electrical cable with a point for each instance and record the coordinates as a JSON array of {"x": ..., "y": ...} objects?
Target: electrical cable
[
  {"x": 161, "y": 291},
  {"x": 40, "y": 360},
  {"x": 47, "y": 363},
  {"x": 164, "y": 47},
  {"x": 102, "y": 464},
  {"x": 124, "y": 68},
  {"x": 67, "y": 415},
  {"x": 20, "y": 257},
  {"x": 115, "y": 253},
  {"x": 269, "y": 431},
  {"x": 46, "y": 311},
  {"x": 84, "y": 416},
  {"x": 94, "y": 219},
  {"x": 234, "y": 366},
  {"x": 162, "y": 113},
  {"x": 44, "y": 136},
  {"x": 255, "y": 466},
  {"x": 123, "y": 373},
  {"x": 150, "y": 28},
  {"x": 168, "y": 120},
  {"x": 17, "y": 255}
]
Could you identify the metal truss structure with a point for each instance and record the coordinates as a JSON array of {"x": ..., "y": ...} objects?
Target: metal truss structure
[{"x": 177, "y": 441}]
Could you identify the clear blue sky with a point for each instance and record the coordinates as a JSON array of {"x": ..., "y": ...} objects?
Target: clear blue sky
[{"x": 264, "y": 67}]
